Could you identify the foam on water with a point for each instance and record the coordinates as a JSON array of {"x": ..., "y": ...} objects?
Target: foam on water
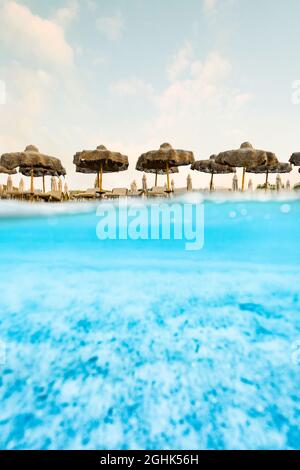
[{"x": 140, "y": 344}]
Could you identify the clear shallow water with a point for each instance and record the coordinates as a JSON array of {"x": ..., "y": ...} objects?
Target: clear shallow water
[{"x": 140, "y": 344}]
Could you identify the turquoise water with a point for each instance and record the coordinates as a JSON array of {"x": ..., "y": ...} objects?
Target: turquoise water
[{"x": 142, "y": 344}]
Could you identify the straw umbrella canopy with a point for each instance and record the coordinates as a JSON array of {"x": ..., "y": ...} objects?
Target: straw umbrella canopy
[
  {"x": 271, "y": 168},
  {"x": 210, "y": 166},
  {"x": 244, "y": 157},
  {"x": 281, "y": 168},
  {"x": 6, "y": 171},
  {"x": 100, "y": 161},
  {"x": 295, "y": 159},
  {"x": 34, "y": 164},
  {"x": 164, "y": 159}
]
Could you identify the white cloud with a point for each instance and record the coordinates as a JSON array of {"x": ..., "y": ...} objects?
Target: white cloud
[
  {"x": 99, "y": 60},
  {"x": 49, "y": 110},
  {"x": 210, "y": 5},
  {"x": 30, "y": 37},
  {"x": 91, "y": 5},
  {"x": 47, "y": 102},
  {"x": 27, "y": 98},
  {"x": 180, "y": 62},
  {"x": 131, "y": 87},
  {"x": 242, "y": 98},
  {"x": 204, "y": 83},
  {"x": 66, "y": 15},
  {"x": 200, "y": 108},
  {"x": 2, "y": 92},
  {"x": 111, "y": 27}
]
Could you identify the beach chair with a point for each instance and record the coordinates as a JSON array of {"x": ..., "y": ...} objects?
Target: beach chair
[
  {"x": 119, "y": 192},
  {"x": 52, "y": 196},
  {"x": 180, "y": 191},
  {"x": 86, "y": 195},
  {"x": 82, "y": 195},
  {"x": 134, "y": 193},
  {"x": 157, "y": 191}
]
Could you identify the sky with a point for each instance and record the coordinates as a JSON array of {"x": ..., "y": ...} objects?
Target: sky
[{"x": 204, "y": 75}]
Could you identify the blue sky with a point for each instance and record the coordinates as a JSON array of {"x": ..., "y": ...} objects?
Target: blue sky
[{"x": 205, "y": 75}]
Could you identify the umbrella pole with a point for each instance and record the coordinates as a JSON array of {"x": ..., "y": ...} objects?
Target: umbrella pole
[
  {"x": 267, "y": 179},
  {"x": 168, "y": 178},
  {"x": 44, "y": 184},
  {"x": 101, "y": 174},
  {"x": 31, "y": 185},
  {"x": 156, "y": 178},
  {"x": 211, "y": 182},
  {"x": 243, "y": 180},
  {"x": 31, "y": 182}
]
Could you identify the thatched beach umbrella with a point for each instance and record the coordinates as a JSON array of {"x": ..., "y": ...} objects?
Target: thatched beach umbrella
[
  {"x": 211, "y": 167},
  {"x": 164, "y": 159},
  {"x": 271, "y": 168},
  {"x": 295, "y": 159},
  {"x": 244, "y": 157},
  {"x": 34, "y": 164},
  {"x": 100, "y": 161}
]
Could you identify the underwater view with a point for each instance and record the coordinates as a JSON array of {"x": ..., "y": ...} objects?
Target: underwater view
[{"x": 142, "y": 344}]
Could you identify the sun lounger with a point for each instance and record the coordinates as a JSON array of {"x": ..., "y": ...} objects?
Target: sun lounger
[
  {"x": 180, "y": 191},
  {"x": 83, "y": 195},
  {"x": 119, "y": 192},
  {"x": 53, "y": 196},
  {"x": 134, "y": 193},
  {"x": 157, "y": 191}
]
